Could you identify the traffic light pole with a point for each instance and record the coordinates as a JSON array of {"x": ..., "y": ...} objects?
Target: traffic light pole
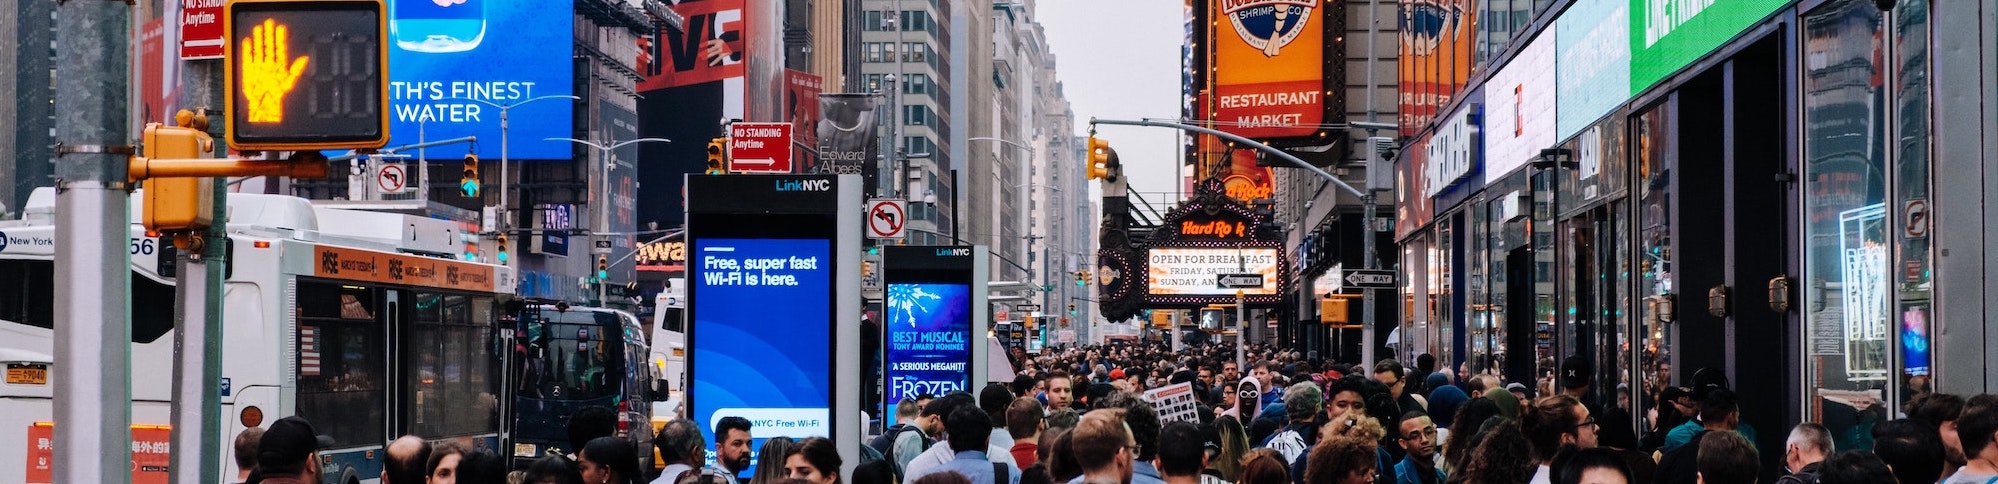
[
  {"x": 197, "y": 420},
  {"x": 92, "y": 349},
  {"x": 1366, "y": 200}
]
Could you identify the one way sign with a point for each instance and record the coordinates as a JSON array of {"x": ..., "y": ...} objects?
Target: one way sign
[{"x": 1370, "y": 278}]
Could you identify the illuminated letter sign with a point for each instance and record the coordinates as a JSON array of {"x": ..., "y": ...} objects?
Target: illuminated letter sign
[{"x": 306, "y": 74}]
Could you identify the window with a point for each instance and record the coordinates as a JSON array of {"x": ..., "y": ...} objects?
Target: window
[
  {"x": 874, "y": 21},
  {"x": 27, "y": 296},
  {"x": 915, "y": 52},
  {"x": 873, "y": 82},
  {"x": 571, "y": 358},
  {"x": 916, "y": 84},
  {"x": 341, "y": 363},
  {"x": 915, "y": 21},
  {"x": 454, "y": 384},
  {"x": 916, "y": 115}
]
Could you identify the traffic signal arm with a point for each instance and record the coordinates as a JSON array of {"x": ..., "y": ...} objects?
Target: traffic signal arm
[{"x": 301, "y": 166}]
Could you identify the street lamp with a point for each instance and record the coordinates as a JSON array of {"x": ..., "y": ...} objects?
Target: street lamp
[
  {"x": 505, "y": 164},
  {"x": 609, "y": 157}
]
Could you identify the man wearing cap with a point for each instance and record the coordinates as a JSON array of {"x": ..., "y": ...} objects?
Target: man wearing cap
[
  {"x": 1706, "y": 382},
  {"x": 1576, "y": 373},
  {"x": 289, "y": 452}
]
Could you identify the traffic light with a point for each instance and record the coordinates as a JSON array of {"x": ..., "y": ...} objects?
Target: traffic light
[
  {"x": 603, "y": 268},
  {"x": 178, "y": 204},
  {"x": 1071, "y": 309},
  {"x": 1081, "y": 278},
  {"x": 502, "y": 247},
  {"x": 469, "y": 185},
  {"x": 718, "y": 156},
  {"x": 1100, "y": 156},
  {"x": 306, "y": 75}
]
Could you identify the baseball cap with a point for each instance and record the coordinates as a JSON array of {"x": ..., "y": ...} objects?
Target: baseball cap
[
  {"x": 1117, "y": 374},
  {"x": 1706, "y": 380},
  {"x": 286, "y": 444},
  {"x": 1576, "y": 372},
  {"x": 1515, "y": 386}
]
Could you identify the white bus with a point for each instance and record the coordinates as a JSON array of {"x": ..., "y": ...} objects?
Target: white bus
[{"x": 367, "y": 336}]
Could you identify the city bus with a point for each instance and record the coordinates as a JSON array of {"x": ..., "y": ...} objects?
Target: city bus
[
  {"x": 570, "y": 358},
  {"x": 368, "y": 335}
]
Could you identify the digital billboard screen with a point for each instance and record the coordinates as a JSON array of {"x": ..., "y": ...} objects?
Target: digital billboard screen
[
  {"x": 761, "y": 333},
  {"x": 453, "y": 62},
  {"x": 1197, "y": 271},
  {"x": 928, "y": 339}
]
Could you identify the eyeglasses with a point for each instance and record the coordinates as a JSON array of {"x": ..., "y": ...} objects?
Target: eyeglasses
[{"x": 1591, "y": 422}]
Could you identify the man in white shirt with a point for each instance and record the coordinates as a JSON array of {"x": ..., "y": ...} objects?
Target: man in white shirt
[{"x": 681, "y": 448}]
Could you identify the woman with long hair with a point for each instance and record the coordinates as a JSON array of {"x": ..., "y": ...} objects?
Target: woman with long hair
[
  {"x": 1234, "y": 446},
  {"x": 1264, "y": 466},
  {"x": 1503, "y": 456},
  {"x": 609, "y": 460},
  {"x": 770, "y": 460},
  {"x": 1347, "y": 452},
  {"x": 442, "y": 468},
  {"x": 1464, "y": 433},
  {"x": 815, "y": 460}
]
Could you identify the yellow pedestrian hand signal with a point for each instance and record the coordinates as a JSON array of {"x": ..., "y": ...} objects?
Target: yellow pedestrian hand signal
[{"x": 268, "y": 71}]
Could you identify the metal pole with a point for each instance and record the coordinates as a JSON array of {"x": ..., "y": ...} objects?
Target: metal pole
[
  {"x": 503, "y": 224},
  {"x": 92, "y": 266},
  {"x": 1241, "y": 331},
  {"x": 196, "y": 423},
  {"x": 1367, "y": 294}
]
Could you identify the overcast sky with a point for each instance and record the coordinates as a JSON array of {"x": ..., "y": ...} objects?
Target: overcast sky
[{"x": 1119, "y": 59}]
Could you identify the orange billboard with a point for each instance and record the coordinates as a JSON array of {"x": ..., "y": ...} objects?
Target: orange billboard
[
  {"x": 1437, "y": 38},
  {"x": 382, "y": 267},
  {"x": 1270, "y": 68}
]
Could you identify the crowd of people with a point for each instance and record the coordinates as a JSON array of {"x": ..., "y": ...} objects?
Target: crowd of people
[{"x": 1078, "y": 416}]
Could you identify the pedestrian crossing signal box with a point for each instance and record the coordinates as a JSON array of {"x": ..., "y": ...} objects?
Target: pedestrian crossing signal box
[{"x": 306, "y": 74}]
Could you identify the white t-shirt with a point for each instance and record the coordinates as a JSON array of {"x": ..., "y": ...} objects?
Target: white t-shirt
[
  {"x": 1542, "y": 476},
  {"x": 1963, "y": 476}
]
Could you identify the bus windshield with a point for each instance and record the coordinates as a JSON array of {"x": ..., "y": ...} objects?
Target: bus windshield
[{"x": 572, "y": 355}]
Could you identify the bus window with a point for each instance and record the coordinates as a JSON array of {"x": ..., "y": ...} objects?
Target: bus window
[
  {"x": 574, "y": 361},
  {"x": 27, "y": 296},
  {"x": 341, "y": 374},
  {"x": 450, "y": 352}
]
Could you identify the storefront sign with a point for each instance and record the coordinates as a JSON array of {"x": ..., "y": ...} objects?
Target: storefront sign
[
  {"x": 1452, "y": 152},
  {"x": 664, "y": 253},
  {"x": 1193, "y": 271},
  {"x": 1519, "y": 109},
  {"x": 1269, "y": 76},
  {"x": 1437, "y": 38},
  {"x": 1666, "y": 35},
  {"x": 1593, "y": 45},
  {"x": 1218, "y": 229}
]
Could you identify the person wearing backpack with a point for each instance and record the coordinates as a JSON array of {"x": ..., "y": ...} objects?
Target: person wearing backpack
[
  {"x": 970, "y": 429},
  {"x": 906, "y": 419},
  {"x": 1806, "y": 449}
]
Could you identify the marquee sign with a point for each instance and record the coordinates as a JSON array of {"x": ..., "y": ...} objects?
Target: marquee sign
[{"x": 1209, "y": 234}]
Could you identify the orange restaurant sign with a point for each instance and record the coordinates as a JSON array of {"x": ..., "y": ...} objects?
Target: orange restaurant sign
[
  {"x": 149, "y": 453},
  {"x": 371, "y": 266}
]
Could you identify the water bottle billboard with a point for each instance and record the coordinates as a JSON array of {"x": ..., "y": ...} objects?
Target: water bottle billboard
[{"x": 456, "y": 62}]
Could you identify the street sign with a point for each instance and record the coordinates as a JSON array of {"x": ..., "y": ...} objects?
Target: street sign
[
  {"x": 1240, "y": 281},
  {"x": 1370, "y": 278},
  {"x": 886, "y": 217},
  {"x": 201, "y": 34},
  {"x": 601, "y": 246},
  {"x": 759, "y": 147},
  {"x": 1029, "y": 308},
  {"x": 1915, "y": 213},
  {"x": 390, "y": 178}
]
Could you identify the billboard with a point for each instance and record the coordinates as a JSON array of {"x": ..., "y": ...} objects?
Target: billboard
[
  {"x": 453, "y": 62},
  {"x": 801, "y": 109},
  {"x": 1437, "y": 37},
  {"x": 928, "y": 339},
  {"x": 1269, "y": 77},
  {"x": 846, "y": 134},
  {"x": 1195, "y": 271},
  {"x": 1519, "y": 109},
  {"x": 1592, "y": 44},
  {"x": 1665, "y": 36},
  {"x": 693, "y": 77}
]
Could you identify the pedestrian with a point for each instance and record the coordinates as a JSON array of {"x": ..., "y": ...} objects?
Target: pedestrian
[
  {"x": 1706, "y": 383},
  {"x": 1264, "y": 466},
  {"x": 1807, "y": 447},
  {"x": 1577, "y": 377},
  {"x": 814, "y": 460},
  {"x": 1675, "y": 407},
  {"x": 770, "y": 461},
  {"x": 1234, "y": 446},
  {"x": 1614, "y": 433},
  {"x": 1855, "y": 467},
  {"x": 442, "y": 466},
  {"x": 1912, "y": 448},
  {"x": 939, "y": 454},
  {"x": 1977, "y": 427},
  {"x": 681, "y": 450},
  {"x": 1104, "y": 447},
  {"x": 1444, "y": 400},
  {"x": 1553, "y": 422},
  {"x": 907, "y": 416},
  {"x": 1024, "y": 423},
  {"x": 1347, "y": 454},
  {"x": 731, "y": 447},
  {"x": 288, "y": 453},
  {"x": 587, "y": 424},
  {"x": 1724, "y": 458},
  {"x": 481, "y": 466},
  {"x": 1941, "y": 410},
  {"x": 969, "y": 431},
  {"x": 246, "y": 452},
  {"x": 1142, "y": 420},
  {"x": 1591, "y": 466},
  {"x": 1502, "y": 456},
  {"x": 943, "y": 478},
  {"x": 1063, "y": 419},
  {"x": 1718, "y": 415},
  {"x": 1182, "y": 453},
  {"x": 609, "y": 460},
  {"x": 405, "y": 460},
  {"x": 994, "y": 399},
  {"x": 1417, "y": 438},
  {"x": 1302, "y": 405},
  {"x": 1470, "y": 418},
  {"x": 1059, "y": 455},
  {"x": 877, "y": 472},
  {"x": 554, "y": 469},
  {"x": 1061, "y": 391}
]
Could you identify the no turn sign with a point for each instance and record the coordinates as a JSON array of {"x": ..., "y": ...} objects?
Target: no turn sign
[
  {"x": 886, "y": 217},
  {"x": 391, "y": 178}
]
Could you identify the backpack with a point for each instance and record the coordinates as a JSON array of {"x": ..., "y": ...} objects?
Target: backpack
[{"x": 885, "y": 443}]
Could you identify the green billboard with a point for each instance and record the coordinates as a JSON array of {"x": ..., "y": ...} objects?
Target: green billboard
[{"x": 1665, "y": 35}]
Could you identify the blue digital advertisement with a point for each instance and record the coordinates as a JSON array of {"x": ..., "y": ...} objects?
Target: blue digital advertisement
[
  {"x": 928, "y": 340},
  {"x": 455, "y": 62},
  {"x": 761, "y": 335}
]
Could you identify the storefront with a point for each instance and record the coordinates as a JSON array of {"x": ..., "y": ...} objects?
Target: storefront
[{"x": 1745, "y": 190}]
